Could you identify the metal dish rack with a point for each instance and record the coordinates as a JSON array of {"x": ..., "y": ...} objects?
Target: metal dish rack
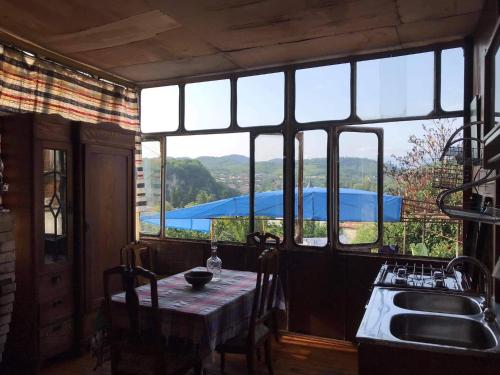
[{"x": 453, "y": 176}]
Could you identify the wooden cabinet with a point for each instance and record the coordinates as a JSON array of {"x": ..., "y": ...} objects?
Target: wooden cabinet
[{"x": 72, "y": 193}]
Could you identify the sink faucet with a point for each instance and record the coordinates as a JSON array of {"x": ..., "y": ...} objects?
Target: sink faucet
[{"x": 489, "y": 314}]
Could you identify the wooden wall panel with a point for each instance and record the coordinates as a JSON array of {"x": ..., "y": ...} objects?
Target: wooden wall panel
[{"x": 316, "y": 292}]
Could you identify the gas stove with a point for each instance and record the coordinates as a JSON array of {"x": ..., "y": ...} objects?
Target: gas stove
[{"x": 420, "y": 276}]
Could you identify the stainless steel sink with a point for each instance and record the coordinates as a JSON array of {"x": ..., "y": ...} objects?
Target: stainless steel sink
[
  {"x": 437, "y": 303},
  {"x": 442, "y": 330}
]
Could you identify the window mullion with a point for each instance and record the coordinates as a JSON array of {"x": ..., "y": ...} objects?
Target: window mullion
[
  {"x": 163, "y": 179},
  {"x": 251, "y": 188},
  {"x": 332, "y": 187}
]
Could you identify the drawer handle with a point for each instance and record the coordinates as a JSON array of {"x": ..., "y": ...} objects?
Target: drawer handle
[
  {"x": 57, "y": 303},
  {"x": 55, "y": 279},
  {"x": 57, "y": 328}
]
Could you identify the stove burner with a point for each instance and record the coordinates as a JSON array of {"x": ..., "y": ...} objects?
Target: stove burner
[
  {"x": 439, "y": 279},
  {"x": 401, "y": 272},
  {"x": 401, "y": 278}
]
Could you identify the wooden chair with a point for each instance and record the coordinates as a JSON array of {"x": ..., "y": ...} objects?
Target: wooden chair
[
  {"x": 262, "y": 241},
  {"x": 135, "y": 348},
  {"x": 135, "y": 251},
  {"x": 258, "y": 333},
  {"x": 137, "y": 254}
]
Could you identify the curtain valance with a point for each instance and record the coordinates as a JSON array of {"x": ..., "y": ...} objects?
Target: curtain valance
[{"x": 31, "y": 84}]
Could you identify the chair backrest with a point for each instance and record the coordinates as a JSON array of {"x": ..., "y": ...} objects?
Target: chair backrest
[
  {"x": 134, "y": 250},
  {"x": 133, "y": 332},
  {"x": 263, "y": 240},
  {"x": 265, "y": 289}
]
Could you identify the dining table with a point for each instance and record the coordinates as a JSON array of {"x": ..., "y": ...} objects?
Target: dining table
[{"x": 207, "y": 316}]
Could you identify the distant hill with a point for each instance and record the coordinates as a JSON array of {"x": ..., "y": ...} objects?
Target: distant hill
[
  {"x": 207, "y": 178},
  {"x": 357, "y": 173},
  {"x": 189, "y": 182}
]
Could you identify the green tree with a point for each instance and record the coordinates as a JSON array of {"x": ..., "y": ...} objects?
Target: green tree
[{"x": 412, "y": 176}]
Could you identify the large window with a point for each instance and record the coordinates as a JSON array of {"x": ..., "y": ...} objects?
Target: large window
[
  {"x": 358, "y": 199},
  {"x": 323, "y": 93},
  {"x": 151, "y": 167},
  {"x": 268, "y": 197},
  {"x": 206, "y": 187},
  {"x": 207, "y": 105},
  {"x": 394, "y": 87},
  {"x": 261, "y": 100},
  {"x": 452, "y": 79},
  {"x": 311, "y": 182},
  {"x": 234, "y": 178},
  {"x": 160, "y": 109}
]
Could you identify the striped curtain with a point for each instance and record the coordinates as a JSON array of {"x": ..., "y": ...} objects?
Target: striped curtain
[{"x": 30, "y": 84}]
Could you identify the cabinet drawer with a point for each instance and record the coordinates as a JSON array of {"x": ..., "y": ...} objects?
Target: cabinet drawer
[
  {"x": 56, "y": 309},
  {"x": 56, "y": 339},
  {"x": 54, "y": 285}
]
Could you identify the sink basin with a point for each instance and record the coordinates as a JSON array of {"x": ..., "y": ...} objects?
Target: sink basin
[
  {"x": 442, "y": 330},
  {"x": 437, "y": 303}
]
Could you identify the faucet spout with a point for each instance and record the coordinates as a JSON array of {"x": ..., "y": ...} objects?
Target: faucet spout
[{"x": 489, "y": 314}]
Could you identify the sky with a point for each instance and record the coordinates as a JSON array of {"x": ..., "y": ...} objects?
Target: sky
[{"x": 390, "y": 87}]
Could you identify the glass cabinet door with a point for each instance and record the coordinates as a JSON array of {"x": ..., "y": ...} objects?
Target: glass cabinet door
[{"x": 55, "y": 186}]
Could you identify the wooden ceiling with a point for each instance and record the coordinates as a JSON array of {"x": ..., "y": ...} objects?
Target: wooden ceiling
[{"x": 150, "y": 41}]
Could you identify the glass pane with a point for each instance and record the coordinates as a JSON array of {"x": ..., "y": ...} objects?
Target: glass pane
[
  {"x": 151, "y": 164},
  {"x": 395, "y": 86},
  {"x": 413, "y": 225},
  {"x": 207, "y": 186},
  {"x": 269, "y": 184},
  {"x": 452, "y": 79},
  {"x": 323, "y": 93},
  {"x": 208, "y": 105},
  {"x": 310, "y": 188},
  {"x": 358, "y": 173},
  {"x": 261, "y": 100},
  {"x": 160, "y": 109},
  {"x": 54, "y": 203}
]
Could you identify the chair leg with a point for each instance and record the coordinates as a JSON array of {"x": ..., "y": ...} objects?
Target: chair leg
[
  {"x": 222, "y": 362},
  {"x": 251, "y": 362},
  {"x": 275, "y": 326},
  {"x": 258, "y": 355},
  {"x": 269, "y": 360}
]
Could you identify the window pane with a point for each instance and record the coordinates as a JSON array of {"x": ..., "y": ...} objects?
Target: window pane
[
  {"x": 208, "y": 105},
  {"x": 452, "y": 79},
  {"x": 261, "y": 100},
  {"x": 151, "y": 165},
  {"x": 358, "y": 188},
  {"x": 310, "y": 188},
  {"x": 395, "y": 86},
  {"x": 269, "y": 184},
  {"x": 160, "y": 109},
  {"x": 54, "y": 205},
  {"x": 323, "y": 93},
  {"x": 412, "y": 173},
  {"x": 207, "y": 186}
]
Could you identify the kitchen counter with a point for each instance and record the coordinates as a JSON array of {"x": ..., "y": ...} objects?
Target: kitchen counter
[
  {"x": 376, "y": 323},
  {"x": 395, "y": 336}
]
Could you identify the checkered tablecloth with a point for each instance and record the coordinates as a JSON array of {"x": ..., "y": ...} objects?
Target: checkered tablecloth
[{"x": 208, "y": 316}]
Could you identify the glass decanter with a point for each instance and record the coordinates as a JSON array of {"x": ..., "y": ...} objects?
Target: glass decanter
[{"x": 214, "y": 263}]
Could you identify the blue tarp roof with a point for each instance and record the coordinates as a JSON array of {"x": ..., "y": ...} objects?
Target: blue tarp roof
[{"x": 355, "y": 206}]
